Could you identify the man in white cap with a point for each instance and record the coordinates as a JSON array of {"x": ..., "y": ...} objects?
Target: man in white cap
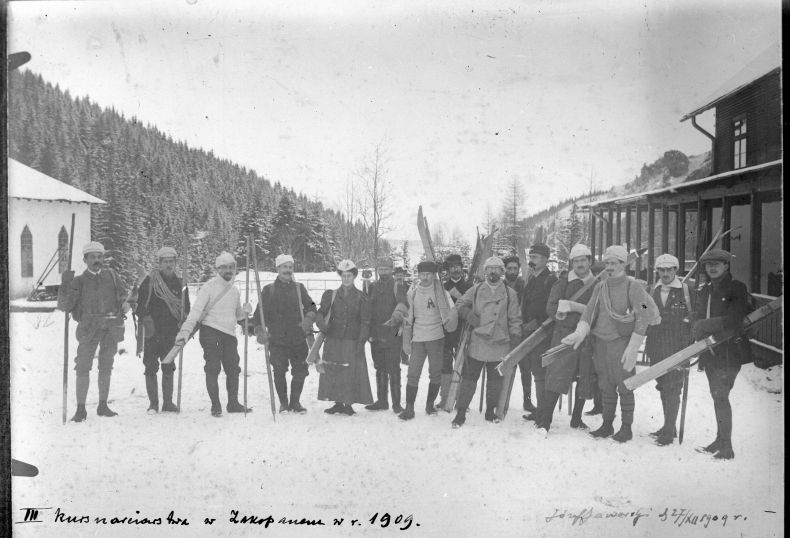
[
  {"x": 492, "y": 308},
  {"x": 96, "y": 300},
  {"x": 561, "y": 373},
  {"x": 218, "y": 308},
  {"x": 676, "y": 305},
  {"x": 617, "y": 315},
  {"x": 289, "y": 313},
  {"x": 159, "y": 309},
  {"x": 429, "y": 316}
]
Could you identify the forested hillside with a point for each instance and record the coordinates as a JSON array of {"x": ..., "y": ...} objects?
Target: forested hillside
[{"x": 159, "y": 191}]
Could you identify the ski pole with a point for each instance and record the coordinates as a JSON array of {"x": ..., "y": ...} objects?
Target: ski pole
[
  {"x": 246, "y": 324},
  {"x": 482, "y": 387},
  {"x": 263, "y": 326},
  {"x": 184, "y": 293},
  {"x": 66, "y": 328}
]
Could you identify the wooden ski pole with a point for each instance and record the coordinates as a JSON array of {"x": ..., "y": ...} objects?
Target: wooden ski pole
[
  {"x": 184, "y": 293},
  {"x": 263, "y": 327},
  {"x": 66, "y": 328},
  {"x": 482, "y": 387},
  {"x": 246, "y": 322}
]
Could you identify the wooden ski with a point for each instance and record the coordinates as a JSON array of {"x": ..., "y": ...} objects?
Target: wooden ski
[
  {"x": 66, "y": 327},
  {"x": 247, "y": 318},
  {"x": 184, "y": 295},
  {"x": 696, "y": 348},
  {"x": 263, "y": 327}
]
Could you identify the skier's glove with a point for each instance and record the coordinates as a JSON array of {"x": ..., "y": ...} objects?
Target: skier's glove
[
  {"x": 472, "y": 319},
  {"x": 262, "y": 335},
  {"x": 576, "y": 338},
  {"x": 66, "y": 277},
  {"x": 706, "y": 327},
  {"x": 628, "y": 360},
  {"x": 247, "y": 308}
]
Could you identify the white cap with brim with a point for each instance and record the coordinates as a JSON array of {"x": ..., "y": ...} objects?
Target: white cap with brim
[
  {"x": 616, "y": 252},
  {"x": 346, "y": 265},
  {"x": 578, "y": 251},
  {"x": 494, "y": 261},
  {"x": 283, "y": 258},
  {"x": 226, "y": 258},
  {"x": 93, "y": 246},
  {"x": 166, "y": 252},
  {"x": 667, "y": 260}
]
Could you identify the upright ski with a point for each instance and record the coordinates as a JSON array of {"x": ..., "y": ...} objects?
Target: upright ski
[
  {"x": 66, "y": 327},
  {"x": 184, "y": 294},
  {"x": 263, "y": 326}
]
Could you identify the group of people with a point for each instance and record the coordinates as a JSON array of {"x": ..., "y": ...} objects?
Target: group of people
[{"x": 604, "y": 319}]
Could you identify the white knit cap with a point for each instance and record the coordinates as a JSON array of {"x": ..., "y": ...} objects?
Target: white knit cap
[
  {"x": 283, "y": 258},
  {"x": 93, "y": 246},
  {"x": 617, "y": 252},
  {"x": 494, "y": 261},
  {"x": 165, "y": 252},
  {"x": 667, "y": 260},
  {"x": 578, "y": 251},
  {"x": 226, "y": 258},
  {"x": 346, "y": 265}
]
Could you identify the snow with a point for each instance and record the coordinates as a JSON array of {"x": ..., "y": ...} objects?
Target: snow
[
  {"x": 482, "y": 479},
  {"x": 26, "y": 182}
]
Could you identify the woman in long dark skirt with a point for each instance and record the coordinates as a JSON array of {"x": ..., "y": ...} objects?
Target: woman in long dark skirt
[{"x": 344, "y": 316}]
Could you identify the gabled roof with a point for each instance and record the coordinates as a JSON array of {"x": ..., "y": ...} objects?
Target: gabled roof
[
  {"x": 26, "y": 182},
  {"x": 768, "y": 61}
]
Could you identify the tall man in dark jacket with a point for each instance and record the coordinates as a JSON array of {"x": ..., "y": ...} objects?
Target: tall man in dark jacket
[
  {"x": 533, "y": 313},
  {"x": 159, "y": 309},
  {"x": 289, "y": 313},
  {"x": 675, "y": 303},
  {"x": 96, "y": 300},
  {"x": 387, "y": 302},
  {"x": 722, "y": 304},
  {"x": 457, "y": 285}
]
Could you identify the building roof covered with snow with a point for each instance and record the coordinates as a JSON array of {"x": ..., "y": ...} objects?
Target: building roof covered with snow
[
  {"x": 26, "y": 182},
  {"x": 767, "y": 62}
]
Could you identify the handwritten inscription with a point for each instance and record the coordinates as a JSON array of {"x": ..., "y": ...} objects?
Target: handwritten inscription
[{"x": 678, "y": 517}]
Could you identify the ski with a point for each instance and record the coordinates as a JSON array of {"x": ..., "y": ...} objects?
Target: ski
[
  {"x": 184, "y": 294},
  {"x": 696, "y": 348},
  {"x": 263, "y": 326},
  {"x": 430, "y": 255},
  {"x": 66, "y": 327},
  {"x": 247, "y": 318},
  {"x": 483, "y": 248}
]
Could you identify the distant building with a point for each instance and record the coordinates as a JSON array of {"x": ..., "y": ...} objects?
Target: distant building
[{"x": 39, "y": 218}]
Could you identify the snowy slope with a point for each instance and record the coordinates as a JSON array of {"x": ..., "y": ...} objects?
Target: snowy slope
[{"x": 483, "y": 479}]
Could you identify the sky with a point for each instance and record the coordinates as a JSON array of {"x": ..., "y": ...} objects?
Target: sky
[{"x": 462, "y": 96}]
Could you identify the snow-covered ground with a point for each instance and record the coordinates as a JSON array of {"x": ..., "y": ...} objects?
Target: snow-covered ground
[{"x": 482, "y": 479}]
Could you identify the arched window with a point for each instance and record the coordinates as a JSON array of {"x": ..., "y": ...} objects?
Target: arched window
[
  {"x": 27, "y": 253},
  {"x": 63, "y": 249}
]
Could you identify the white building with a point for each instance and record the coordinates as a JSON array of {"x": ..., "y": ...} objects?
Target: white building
[{"x": 39, "y": 218}]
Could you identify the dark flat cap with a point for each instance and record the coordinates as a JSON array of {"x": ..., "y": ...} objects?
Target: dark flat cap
[
  {"x": 513, "y": 259},
  {"x": 540, "y": 248},
  {"x": 427, "y": 267},
  {"x": 716, "y": 255},
  {"x": 453, "y": 259}
]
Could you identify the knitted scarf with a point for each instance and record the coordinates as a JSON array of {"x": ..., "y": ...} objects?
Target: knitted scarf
[{"x": 628, "y": 317}]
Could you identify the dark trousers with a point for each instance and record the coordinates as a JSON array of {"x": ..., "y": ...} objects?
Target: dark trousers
[
  {"x": 721, "y": 380},
  {"x": 283, "y": 356},
  {"x": 156, "y": 349},
  {"x": 472, "y": 369},
  {"x": 451, "y": 342},
  {"x": 386, "y": 361},
  {"x": 104, "y": 340},
  {"x": 606, "y": 357},
  {"x": 525, "y": 368},
  {"x": 219, "y": 351}
]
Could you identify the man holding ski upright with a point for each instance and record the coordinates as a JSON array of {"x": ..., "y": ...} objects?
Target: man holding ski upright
[
  {"x": 675, "y": 302},
  {"x": 722, "y": 304},
  {"x": 96, "y": 300},
  {"x": 492, "y": 309},
  {"x": 289, "y": 313},
  {"x": 533, "y": 313},
  {"x": 217, "y": 309},
  {"x": 387, "y": 301},
  {"x": 159, "y": 309},
  {"x": 456, "y": 285},
  {"x": 430, "y": 314},
  {"x": 617, "y": 315}
]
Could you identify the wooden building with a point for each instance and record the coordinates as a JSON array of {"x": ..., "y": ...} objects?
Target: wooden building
[{"x": 743, "y": 194}]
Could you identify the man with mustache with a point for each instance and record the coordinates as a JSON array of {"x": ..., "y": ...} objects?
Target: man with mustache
[
  {"x": 456, "y": 284},
  {"x": 159, "y": 310},
  {"x": 512, "y": 268},
  {"x": 96, "y": 300},
  {"x": 289, "y": 313},
  {"x": 617, "y": 315},
  {"x": 218, "y": 308},
  {"x": 492, "y": 309}
]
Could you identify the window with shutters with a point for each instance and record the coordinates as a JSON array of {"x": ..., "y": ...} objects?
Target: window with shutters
[
  {"x": 63, "y": 249},
  {"x": 27, "y": 253},
  {"x": 739, "y": 138}
]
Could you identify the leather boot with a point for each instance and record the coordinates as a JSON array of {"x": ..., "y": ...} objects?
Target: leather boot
[
  {"x": 659, "y": 431},
  {"x": 152, "y": 388},
  {"x": 576, "y": 417},
  {"x": 232, "y": 386},
  {"x": 605, "y": 430},
  {"x": 80, "y": 414},
  {"x": 624, "y": 434},
  {"x": 294, "y": 405},
  {"x": 281, "y": 387},
  {"x": 460, "y": 418},
  {"x": 433, "y": 392},
  {"x": 667, "y": 436},
  {"x": 167, "y": 392},
  {"x": 83, "y": 383},
  {"x": 395, "y": 390},
  {"x": 411, "y": 396},
  {"x": 212, "y": 387},
  {"x": 103, "y": 411},
  {"x": 381, "y": 393}
]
